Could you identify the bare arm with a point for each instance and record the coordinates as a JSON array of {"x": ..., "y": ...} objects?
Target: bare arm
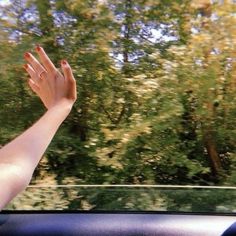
[{"x": 19, "y": 158}]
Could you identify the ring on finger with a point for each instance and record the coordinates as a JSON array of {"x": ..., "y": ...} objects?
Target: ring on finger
[{"x": 40, "y": 73}]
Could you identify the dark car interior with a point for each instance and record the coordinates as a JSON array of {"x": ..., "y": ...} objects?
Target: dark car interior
[
  {"x": 149, "y": 147},
  {"x": 114, "y": 223}
]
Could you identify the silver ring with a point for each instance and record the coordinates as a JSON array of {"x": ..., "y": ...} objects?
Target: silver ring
[{"x": 40, "y": 73}]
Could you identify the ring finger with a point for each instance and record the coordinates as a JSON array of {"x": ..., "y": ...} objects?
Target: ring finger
[
  {"x": 32, "y": 73},
  {"x": 36, "y": 66}
]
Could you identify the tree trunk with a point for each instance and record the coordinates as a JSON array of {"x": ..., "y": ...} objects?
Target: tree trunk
[
  {"x": 127, "y": 27},
  {"x": 213, "y": 155},
  {"x": 46, "y": 27},
  {"x": 46, "y": 19}
]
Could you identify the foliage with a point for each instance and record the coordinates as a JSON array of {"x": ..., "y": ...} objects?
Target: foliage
[{"x": 156, "y": 88}]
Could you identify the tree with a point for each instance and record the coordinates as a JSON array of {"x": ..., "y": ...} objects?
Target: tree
[{"x": 156, "y": 88}]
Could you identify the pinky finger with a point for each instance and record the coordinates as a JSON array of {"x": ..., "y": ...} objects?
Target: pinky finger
[
  {"x": 70, "y": 79},
  {"x": 33, "y": 86},
  {"x": 67, "y": 71}
]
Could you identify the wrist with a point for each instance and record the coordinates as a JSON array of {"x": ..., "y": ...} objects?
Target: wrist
[{"x": 63, "y": 106}]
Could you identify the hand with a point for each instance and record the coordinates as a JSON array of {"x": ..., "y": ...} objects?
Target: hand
[{"x": 48, "y": 83}]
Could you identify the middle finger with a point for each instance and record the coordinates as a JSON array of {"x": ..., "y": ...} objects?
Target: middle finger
[{"x": 47, "y": 63}]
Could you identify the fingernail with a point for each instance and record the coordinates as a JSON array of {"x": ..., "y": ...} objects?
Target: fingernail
[
  {"x": 26, "y": 66},
  {"x": 27, "y": 55},
  {"x": 63, "y": 62},
  {"x": 38, "y": 48}
]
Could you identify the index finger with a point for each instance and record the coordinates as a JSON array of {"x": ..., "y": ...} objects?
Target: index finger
[{"x": 47, "y": 63}]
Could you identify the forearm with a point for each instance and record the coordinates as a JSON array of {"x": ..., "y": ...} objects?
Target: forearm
[
  {"x": 57, "y": 91},
  {"x": 19, "y": 158},
  {"x": 27, "y": 149}
]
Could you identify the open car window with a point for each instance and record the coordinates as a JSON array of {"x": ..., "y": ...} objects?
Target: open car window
[
  {"x": 153, "y": 128},
  {"x": 128, "y": 198}
]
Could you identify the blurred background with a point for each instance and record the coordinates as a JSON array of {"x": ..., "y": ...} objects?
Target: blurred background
[{"x": 156, "y": 86}]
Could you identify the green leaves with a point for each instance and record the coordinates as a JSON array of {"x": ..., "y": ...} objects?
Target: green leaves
[{"x": 155, "y": 79}]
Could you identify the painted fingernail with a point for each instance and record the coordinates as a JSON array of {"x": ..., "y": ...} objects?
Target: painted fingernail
[
  {"x": 63, "y": 62},
  {"x": 26, "y": 66},
  {"x": 38, "y": 48},
  {"x": 27, "y": 55}
]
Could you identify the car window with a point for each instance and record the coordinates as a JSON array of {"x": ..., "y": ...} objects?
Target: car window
[
  {"x": 127, "y": 198},
  {"x": 153, "y": 127}
]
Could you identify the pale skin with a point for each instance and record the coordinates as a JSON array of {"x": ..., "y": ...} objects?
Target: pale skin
[{"x": 20, "y": 157}]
